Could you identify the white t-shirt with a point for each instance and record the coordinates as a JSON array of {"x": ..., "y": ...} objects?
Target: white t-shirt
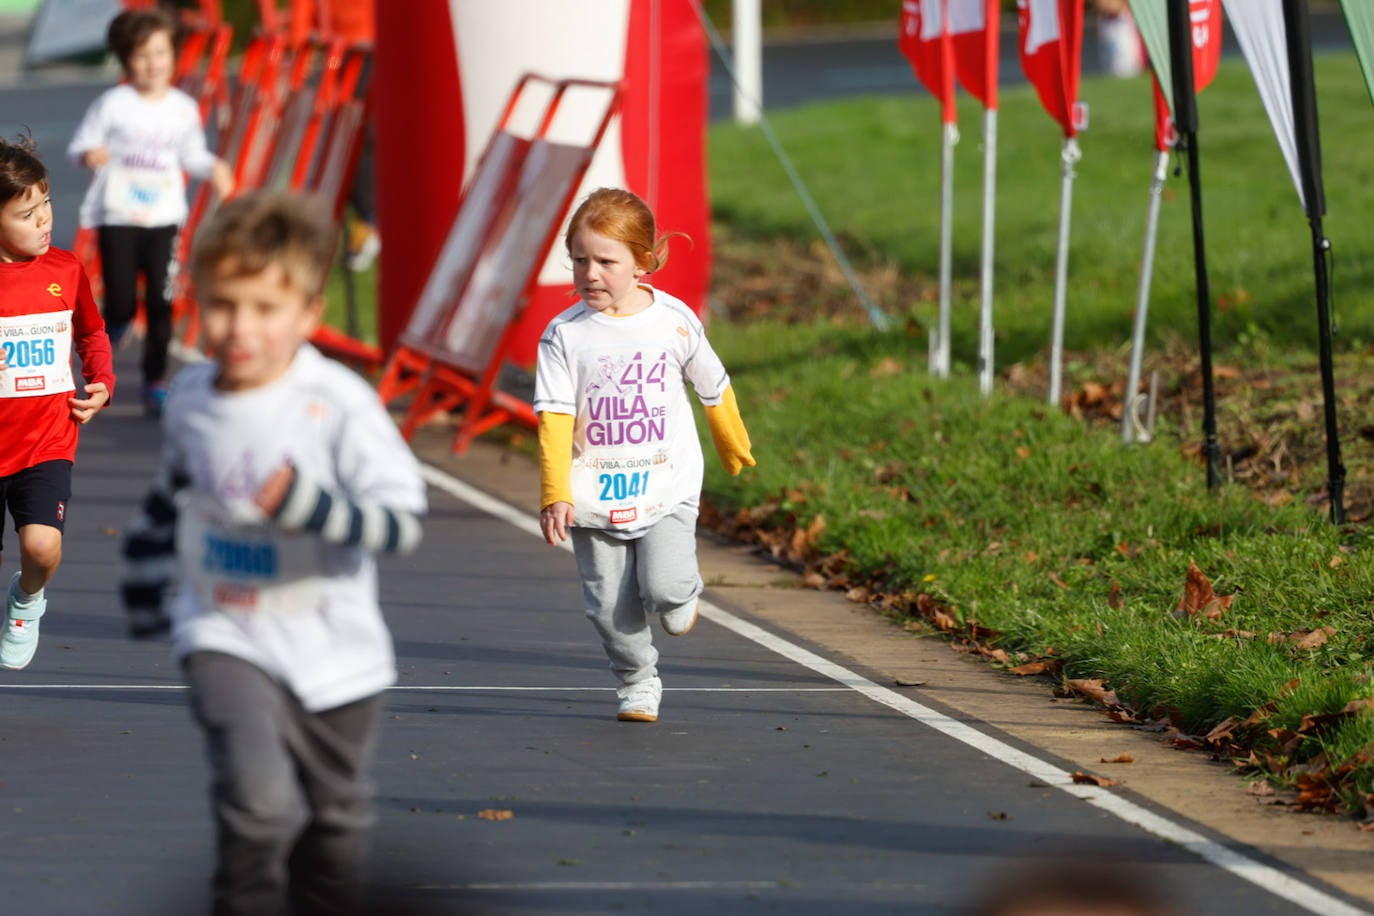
[
  {"x": 636, "y": 453},
  {"x": 151, "y": 142},
  {"x": 304, "y": 611}
]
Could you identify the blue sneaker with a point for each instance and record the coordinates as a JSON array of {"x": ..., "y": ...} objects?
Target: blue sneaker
[
  {"x": 154, "y": 399},
  {"x": 19, "y": 638}
]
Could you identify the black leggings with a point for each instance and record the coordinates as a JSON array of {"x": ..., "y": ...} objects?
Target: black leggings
[{"x": 126, "y": 252}]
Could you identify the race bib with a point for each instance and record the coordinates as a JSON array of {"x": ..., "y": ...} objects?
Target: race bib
[
  {"x": 38, "y": 355},
  {"x": 622, "y": 488},
  {"x": 242, "y": 569},
  {"x": 143, "y": 197}
]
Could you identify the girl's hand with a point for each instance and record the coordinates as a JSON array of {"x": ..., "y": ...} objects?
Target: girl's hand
[
  {"x": 274, "y": 490},
  {"x": 95, "y": 158},
  {"x": 83, "y": 409},
  {"x": 554, "y": 520},
  {"x": 222, "y": 177}
]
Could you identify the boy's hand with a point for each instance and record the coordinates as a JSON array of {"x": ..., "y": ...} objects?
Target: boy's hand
[
  {"x": 97, "y": 396},
  {"x": 554, "y": 520},
  {"x": 95, "y": 158},
  {"x": 274, "y": 490}
]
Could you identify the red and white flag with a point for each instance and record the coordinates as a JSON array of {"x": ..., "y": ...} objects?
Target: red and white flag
[
  {"x": 975, "y": 27},
  {"x": 1051, "y": 33},
  {"x": 925, "y": 40},
  {"x": 1204, "y": 29}
]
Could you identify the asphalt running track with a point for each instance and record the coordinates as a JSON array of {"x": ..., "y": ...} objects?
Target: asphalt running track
[{"x": 776, "y": 780}]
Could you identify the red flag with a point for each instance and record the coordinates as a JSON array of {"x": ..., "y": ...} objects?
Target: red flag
[
  {"x": 1052, "y": 56},
  {"x": 926, "y": 42},
  {"x": 1165, "y": 133},
  {"x": 1204, "y": 17},
  {"x": 975, "y": 26}
]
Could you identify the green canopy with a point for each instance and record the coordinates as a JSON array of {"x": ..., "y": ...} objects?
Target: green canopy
[
  {"x": 1152, "y": 19},
  {"x": 1359, "y": 15}
]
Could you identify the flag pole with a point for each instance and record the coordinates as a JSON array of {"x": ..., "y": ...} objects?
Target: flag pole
[
  {"x": 1071, "y": 155},
  {"x": 1297, "y": 30},
  {"x": 985, "y": 338},
  {"x": 1131, "y": 431},
  {"x": 1185, "y": 118},
  {"x": 941, "y": 351}
]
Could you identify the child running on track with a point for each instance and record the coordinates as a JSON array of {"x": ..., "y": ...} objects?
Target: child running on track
[
  {"x": 620, "y": 461},
  {"x": 46, "y": 312},
  {"x": 139, "y": 137},
  {"x": 282, "y": 476}
]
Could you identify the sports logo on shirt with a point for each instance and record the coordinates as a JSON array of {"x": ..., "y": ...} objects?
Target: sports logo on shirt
[
  {"x": 30, "y": 383},
  {"x": 55, "y": 289},
  {"x": 623, "y": 516}
]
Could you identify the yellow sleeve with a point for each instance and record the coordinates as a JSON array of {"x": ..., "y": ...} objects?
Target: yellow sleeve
[
  {"x": 555, "y": 458},
  {"x": 728, "y": 433}
]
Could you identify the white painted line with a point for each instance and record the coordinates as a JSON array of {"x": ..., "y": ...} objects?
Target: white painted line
[
  {"x": 443, "y": 688},
  {"x": 92, "y": 686},
  {"x": 1263, "y": 876},
  {"x": 611, "y": 886},
  {"x": 666, "y": 886}
]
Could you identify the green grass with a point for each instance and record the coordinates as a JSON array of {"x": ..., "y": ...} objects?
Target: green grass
[
  {"x": 1014, "y": 515},
  {"x": 873, "y": 165}
]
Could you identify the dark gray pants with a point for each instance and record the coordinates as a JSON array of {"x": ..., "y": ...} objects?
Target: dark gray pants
[{"x": 291, "y": 794}]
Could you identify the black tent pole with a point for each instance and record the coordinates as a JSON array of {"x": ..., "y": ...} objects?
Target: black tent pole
[
  {"x": 1335, "y": 470},
  {"x": 1303, "y": 86},
  {"x": 1185, "y": 120}
]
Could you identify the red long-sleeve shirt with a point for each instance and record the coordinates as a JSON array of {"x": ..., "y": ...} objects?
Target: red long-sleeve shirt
[{"x": 40, "y": 428}]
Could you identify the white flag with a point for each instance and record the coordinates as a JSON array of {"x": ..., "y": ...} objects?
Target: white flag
[{"x": 1259, "y": 29}]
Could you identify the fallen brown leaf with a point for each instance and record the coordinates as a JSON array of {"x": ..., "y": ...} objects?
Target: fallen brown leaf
[
  {"x": 1199, "y": 598},
  {"x": 1082, "y": 778},
  {"x": 1029, "y": 668},
  {"x": 496, "y": 814},
  {"x": 1119, "y": 758}
]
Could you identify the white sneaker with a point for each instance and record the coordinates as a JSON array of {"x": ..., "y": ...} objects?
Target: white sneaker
[
  {"x": 679, "y": 621},
  {"x": 19, "y": 637},
  {"x": 639, "y": 701}
]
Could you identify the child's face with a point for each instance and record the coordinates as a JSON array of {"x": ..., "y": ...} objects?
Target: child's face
[
  {"x": 150, "y": 64},
  {"x": 26, "y": 225},
  {"x": 254, "y": 324},
  {"x": 605, "y": 273}
]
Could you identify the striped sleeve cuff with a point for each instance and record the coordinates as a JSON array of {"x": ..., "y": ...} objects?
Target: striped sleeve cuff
[{"x": 338, "y": 520}]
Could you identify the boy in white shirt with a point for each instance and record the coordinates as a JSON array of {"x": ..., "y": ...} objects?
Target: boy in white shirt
[
  {"x": 139, "y": 137},
  {"x": 282, "y": 475}
]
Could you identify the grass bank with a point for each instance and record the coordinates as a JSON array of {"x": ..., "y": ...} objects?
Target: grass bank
[{"x": 1028, "y": 534}]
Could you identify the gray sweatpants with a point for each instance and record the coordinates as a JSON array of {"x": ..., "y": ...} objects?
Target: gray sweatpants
[
  {"x": 291, "y": 795},
  {"x": 623, "y": 581}
]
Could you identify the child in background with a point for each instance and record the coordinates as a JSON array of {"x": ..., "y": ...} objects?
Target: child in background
[
  {"x": 282, "y": 476},
  {"x": 620, "y": 462},
  {"x": 46, "y": 311},
  {"x": 139, "y": 137}
]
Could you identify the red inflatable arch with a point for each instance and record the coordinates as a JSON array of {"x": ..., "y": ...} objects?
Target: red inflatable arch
[{"x": 445, "y": 68}]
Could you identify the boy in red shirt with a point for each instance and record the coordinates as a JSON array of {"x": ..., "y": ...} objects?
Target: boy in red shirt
[{"x": 46, "y": 311}]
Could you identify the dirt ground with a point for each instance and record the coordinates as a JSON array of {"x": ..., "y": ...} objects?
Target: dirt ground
[{"x": 1329, "y": 848}]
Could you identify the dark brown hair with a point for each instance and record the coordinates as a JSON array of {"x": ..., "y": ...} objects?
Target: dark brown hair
[
  {"x": 254, "y": 231},
  {"x": 621, "y": 215},
  {"x": 20, "y": 168},
  {"x": 132, "y": 28}
]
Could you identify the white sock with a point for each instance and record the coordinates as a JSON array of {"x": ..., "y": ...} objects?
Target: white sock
[{"x": 21, "y": 599}]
